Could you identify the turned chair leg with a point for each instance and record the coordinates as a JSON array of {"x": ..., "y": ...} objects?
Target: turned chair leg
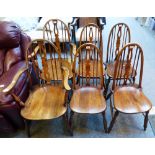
[
  {"x": 70, "y": 121},
  {"x": 146, "y": 120},
  {"x": 27, "y": 127},
  {"x": 113, "y": 121},
  {"x": 65, "y": 116},
  {"x": 107, "y": 85},
  {"x": 104, "y": 121}
]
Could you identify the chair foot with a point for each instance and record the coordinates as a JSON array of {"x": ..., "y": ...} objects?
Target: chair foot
[
  {"x": 104, "y": 121},
  {"x": 146, "y": 120},
  {"x": 27, "y": 127},
  {"x": 65, "y": 116},
  {"x": 113, "y": 121},
  {"x": 70, "y": 122}
]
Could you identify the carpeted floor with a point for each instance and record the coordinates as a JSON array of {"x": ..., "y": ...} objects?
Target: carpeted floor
[{"x": 91, "y": 126}]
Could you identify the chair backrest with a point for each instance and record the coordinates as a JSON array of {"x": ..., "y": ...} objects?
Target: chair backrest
[
  {"x": 129, "y": 66},
  {"x": 57, "y": 32},
  {"x": 88, "y": 66},
  {"x": 91, "y": 33},
  {"x": 45, "y": 59},
  {"x": 119, "y": 36}
]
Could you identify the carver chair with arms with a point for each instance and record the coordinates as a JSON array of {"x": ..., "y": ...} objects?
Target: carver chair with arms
[{"x": 48, "y": 98}]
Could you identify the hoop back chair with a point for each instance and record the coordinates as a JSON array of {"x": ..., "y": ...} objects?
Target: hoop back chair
[
  {"x": 88, "y": 92},
  {"x": 91, "y": 33},
  {"x": 57, "y": 32},
  {"x": 128, "y": 97},
  {"x": 47, "y": 99},
  {"x": 119, "y": 36}
]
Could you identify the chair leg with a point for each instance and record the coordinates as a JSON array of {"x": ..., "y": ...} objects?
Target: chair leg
[
  {"x": 104, "y": 121},
  {"x": 113, "y": 121},
  {"x": 107, "y": 85},
  {"x": 65, "y": 116},
  {"x": 27, "y": 127},
  {"x": 146, "y": 120},
  {"x": 70, "y": 121}
]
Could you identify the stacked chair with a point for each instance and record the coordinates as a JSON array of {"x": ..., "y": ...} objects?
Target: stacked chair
[{"x": 54, "y": 60}]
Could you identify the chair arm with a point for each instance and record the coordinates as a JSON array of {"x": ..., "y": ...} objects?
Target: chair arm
[
  {"x": 73, "y": 47},
  {"x": 7, "y": 89},
  {"x": 65, "y": 77}
]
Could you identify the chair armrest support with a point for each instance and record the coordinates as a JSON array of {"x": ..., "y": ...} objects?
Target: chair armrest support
[
  {"x": 73, "y": 47},
  {"x": 65, "y": 77},
  {"x": 7, "y": 89}
]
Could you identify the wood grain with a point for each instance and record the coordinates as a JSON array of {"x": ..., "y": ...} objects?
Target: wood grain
[
  {"x": 129, "y": 99},
  {"x": 56, "y": 73},
  {"x": 88, "y": 100},
  {"x": 45, "y": 103}
]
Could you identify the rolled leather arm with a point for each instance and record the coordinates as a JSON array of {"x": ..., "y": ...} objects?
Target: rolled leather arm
[{"x": 8, "y": 88}]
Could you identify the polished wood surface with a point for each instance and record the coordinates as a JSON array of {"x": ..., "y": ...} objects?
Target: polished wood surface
[
  {"x": 94, "y": 69},
  {"x": 45, "y": 103},
  {"x": 119, "y": 36},
  {"x": 56, "y": 65},
  {"x": 88, "y": 100},
  {"x": 111, "y": 68},
  {"x": 131, "y": 100}
]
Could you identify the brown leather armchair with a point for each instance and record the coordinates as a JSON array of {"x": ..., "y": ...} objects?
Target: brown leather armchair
[{"x": 13, "y": 44}]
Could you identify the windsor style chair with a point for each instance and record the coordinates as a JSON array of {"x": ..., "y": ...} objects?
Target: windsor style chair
[
  {"x": 119, "y": 36},
  {"x": 57, "y": 31},
  {"x": 88, "y": 91},
  {"x": 47, "y": 99},
  {"x": 127, "y": 97}
]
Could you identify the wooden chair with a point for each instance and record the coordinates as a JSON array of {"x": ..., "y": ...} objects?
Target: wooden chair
[
  {"x": 80, "y": 22},
  {"x": 119, "y": 36},
  {"x": 91, "y": 33},
  {"x": 88, "y": 92},
  {"x": 57, "y": 32},
  {"x": 47, "y": 99},
  {"x": 128, "y": 97}
]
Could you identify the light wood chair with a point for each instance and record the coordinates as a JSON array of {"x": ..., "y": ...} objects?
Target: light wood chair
[
  {"x": 119, "y": 36},
  {"x": 91, "y": 33},
  {"x": 88, "y": 89},
  {"x": 56, "y": 31},
  {"x": 127, "y": 97},
  {"x": 47, "y": 99}
]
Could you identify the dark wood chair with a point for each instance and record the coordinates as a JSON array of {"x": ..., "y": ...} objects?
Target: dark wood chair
[
  {"x": 88, "y": 89},
  {"x": 57, "y": 31},
  {"x": 119, "y": 36},
  {"x": 127, "y": 97},
  {"x": 80, "y": 22},
  {"x": 48, "y": 98}
]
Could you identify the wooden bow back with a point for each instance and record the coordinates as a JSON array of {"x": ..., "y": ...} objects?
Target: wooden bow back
[
  {"x": 119, "y": 36},
  {"x": 91, "y": 33},
  {"x": 45, "y": 59},
  {"x": 57, "y": 32},
  {"x": 88, "y": 66},
  {"x": 128, "y": 66}
]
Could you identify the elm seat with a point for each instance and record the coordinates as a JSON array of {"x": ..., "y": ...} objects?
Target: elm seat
[
  {"x": 131, "y": 100},
  {"x": 88, "y": 100},
  {"x": 45, "y": 103}
]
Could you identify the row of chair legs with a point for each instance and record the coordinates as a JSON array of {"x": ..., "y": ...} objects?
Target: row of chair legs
[{"x": 69, "y": 122}]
